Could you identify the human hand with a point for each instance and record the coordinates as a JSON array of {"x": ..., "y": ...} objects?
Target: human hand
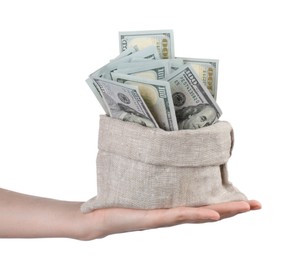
[
  {"x": 26, "y": 216},
  {"x": 104, "y": 222}
]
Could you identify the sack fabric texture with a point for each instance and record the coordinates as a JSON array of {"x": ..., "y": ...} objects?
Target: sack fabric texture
[{"x": 147, "y": 168}]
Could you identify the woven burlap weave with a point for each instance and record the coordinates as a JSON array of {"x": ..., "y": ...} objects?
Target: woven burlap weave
[{"x": 147, "y": 168}]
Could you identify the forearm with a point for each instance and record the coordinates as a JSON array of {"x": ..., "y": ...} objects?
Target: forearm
[{"x": 24, "y": 216}]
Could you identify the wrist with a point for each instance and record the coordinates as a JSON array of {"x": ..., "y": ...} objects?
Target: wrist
[{"x": 86, "y": 226}]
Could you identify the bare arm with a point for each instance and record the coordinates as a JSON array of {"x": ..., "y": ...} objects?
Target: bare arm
[
  {"x": 30, "y": 216},
  {"x": 25, "y": 216}
]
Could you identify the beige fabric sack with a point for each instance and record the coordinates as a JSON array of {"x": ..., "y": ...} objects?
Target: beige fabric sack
[{"x": 146, "y": 168}]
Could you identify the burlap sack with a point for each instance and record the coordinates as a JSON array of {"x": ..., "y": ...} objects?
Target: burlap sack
[{"x": 146, "y": 168}]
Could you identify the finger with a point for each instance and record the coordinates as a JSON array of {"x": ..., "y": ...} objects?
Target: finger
[
  {"x": 125, "y": 220},
  {"x": 180, "y": 215},
  {"x": 229, "y": 209},
  {"x": 174, "y": 216},
  {"x": 254, "y": 204}
]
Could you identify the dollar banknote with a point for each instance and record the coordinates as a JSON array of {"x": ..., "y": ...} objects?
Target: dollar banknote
[
  {"x": 166, "y": 92},
  {"x": 207, "y": 70},
  {"x": 151, "y": 69},
  {"x": 125, "y": 102},
  {"x": 163, "y": 40},
  {"x": 157, "y": 95},
  {"x": 194, "y": 105},
  {"x": 95, "y": 89},
  {"x": 170, "y": 65},
  {"x": 104, "y": 72}
]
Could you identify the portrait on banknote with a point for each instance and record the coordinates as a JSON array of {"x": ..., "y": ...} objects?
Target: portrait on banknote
[{"x": 193, "y": 117}]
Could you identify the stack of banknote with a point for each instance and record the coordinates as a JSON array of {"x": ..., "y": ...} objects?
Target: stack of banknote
[{"x": 148, "y": 85}]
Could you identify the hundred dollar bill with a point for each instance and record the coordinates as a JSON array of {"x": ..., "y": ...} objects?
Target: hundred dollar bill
[
  {"x": 125, "y": 102},
  {"x": 104, "y": 72},
  {"x": 194, "y": 105},
  {"x": 158, "y": 97},
  {"x": 207, "y": 70},
  {"x": 152, "y": 69},
  {"x": 163, "y": 40},
  {"x": 95, "y": 89}
]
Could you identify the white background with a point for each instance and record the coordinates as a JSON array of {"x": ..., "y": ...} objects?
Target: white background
[{"x": 49, "y": 117}]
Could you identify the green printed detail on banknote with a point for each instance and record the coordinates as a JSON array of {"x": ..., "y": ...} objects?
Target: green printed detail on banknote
[
  {"x": 125, "y": 102},
  {"x": 157, "y": 95},
  {"x": 195, "y": 107},
  {"x": 207, "y": 70},
  {"x": 163, "y": 40}
]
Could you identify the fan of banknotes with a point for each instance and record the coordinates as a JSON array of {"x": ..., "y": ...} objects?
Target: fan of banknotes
[{"x": 148, "y": 85}]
